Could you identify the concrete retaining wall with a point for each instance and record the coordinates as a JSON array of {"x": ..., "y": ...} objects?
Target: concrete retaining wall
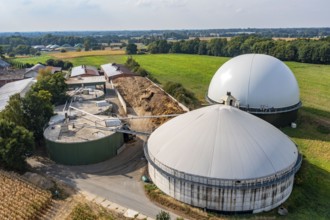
[
  {"x": 249, "y": 200},
  {"x": 120, "y": 98}
]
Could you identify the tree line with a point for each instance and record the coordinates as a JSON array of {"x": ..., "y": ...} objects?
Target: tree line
[
  {"x": 22, "y": 45},
  {"x": 23, "y": 120},
  {"x": 300, "y": 50}
]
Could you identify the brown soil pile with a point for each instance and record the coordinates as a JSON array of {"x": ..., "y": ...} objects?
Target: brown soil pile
[{"x": 146, "y": 98}]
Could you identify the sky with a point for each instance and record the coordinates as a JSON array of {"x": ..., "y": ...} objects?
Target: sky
[{"x": 66, "y": 15}]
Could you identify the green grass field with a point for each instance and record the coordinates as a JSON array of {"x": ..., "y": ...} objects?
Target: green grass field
[
  {"x": 311, "y": 194},
  {"x": 193, "y": 72},
  {"x": 95, "y": 60}
]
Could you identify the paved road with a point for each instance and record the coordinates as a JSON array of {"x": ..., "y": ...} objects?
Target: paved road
[{"x": 117, "y": 180}]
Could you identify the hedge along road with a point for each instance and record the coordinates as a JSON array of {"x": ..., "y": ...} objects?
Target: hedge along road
[{"x": 117, "y": 180}]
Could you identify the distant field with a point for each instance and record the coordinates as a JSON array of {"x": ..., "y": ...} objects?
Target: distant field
[
  {"x": 98, "y": 60},
  {"x": 293, "y": 38},
  {"x": 95, "y": 57},
  {"x": 74, "y": 54},
  {"x": 311, "y": 195}
]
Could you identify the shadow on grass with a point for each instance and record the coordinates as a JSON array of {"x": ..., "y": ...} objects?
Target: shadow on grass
[
  {"x": 310, "y": 197},
  {"x": 310, "y": 126},
  {"x": 317, "y": 112}
]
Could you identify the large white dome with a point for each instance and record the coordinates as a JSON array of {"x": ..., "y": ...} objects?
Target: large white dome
[
  {"x": 258, "y": 81},
  {"x": 222, "y": 142}
]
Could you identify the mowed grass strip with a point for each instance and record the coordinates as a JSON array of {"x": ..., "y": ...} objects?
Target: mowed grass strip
[
  {"x": 97, "y": 61},
  {"x": 34, "y": 59}
]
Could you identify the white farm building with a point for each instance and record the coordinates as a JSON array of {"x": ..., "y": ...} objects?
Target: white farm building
[{"x": 224, "y": 159}]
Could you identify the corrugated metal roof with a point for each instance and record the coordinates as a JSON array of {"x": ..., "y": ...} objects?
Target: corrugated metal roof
[
  {"x": 81, "y": 70},
  {"x": 9, "y": 89},
  {"x": 77, "y": 71},
  {"x": 257, "y": 81},
  {"x": 111, "y": 70},
  {"x": 222, "y": 142}
]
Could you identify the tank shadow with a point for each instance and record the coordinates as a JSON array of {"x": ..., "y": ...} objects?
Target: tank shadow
[{"x": 310, "y": 126}]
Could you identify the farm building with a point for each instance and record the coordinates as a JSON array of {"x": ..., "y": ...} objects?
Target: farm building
[
  {"x": 112, "y": 71},
  {"x": 90, "y": 82},
  {"x": 82, "y": 132},
  {"x": 261, "y": 85},
  {"x": 223, "y": 159},
  {"x": 84, "y": 71},
  {"x": 34, "y": 71},
  {"x": 9, "y": 89},
  {"x": 10, "y": 76},
  {"x": 39, "y": 47},
  {"x": 4, "y": 64}
]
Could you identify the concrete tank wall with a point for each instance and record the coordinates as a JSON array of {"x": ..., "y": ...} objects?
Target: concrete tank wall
[
  {"x": 82, "y": 153},
  {"x": 226, "y": 199}
]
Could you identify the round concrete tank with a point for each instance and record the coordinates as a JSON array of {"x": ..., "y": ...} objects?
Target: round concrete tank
[
  {"x": 223, "y": 159},
  {"x": 261, "y": 84}
]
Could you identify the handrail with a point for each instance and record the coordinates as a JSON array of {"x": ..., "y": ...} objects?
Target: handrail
[{"x": 231, "y": 184}]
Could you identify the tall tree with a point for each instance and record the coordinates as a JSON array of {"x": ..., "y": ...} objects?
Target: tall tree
[
  {"x": 2, "y": 52},
  {"x": 131, "y": 49},
  {"x": 15, "y": 143},
  {"x": 87, "y": 44},
  {"x": 54, "y": 83},
  {"x": 37, "y": 109},
  {"x": 14, "y": 110}
]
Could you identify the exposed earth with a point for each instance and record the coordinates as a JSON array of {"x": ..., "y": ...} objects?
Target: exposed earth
[{"x": 145, "y": 98}]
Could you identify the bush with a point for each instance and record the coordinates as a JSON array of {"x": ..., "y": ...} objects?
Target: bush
[
  {"x": 152, "y": 78},
  {"x": 163, "y": 216},
  {"x": 15, "y": 143},
  {"x": 132, "y": 64},
  {"x": 63, "y": 50},
  {"x": 11, "y": 54},
  {"x": 183, "y": 95},
  {"x": 83, "y": 212},
  {"x": 142, "y": 72}
]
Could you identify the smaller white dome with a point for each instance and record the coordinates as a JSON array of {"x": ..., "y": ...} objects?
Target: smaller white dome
[{"x": 257, "y": 81}]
